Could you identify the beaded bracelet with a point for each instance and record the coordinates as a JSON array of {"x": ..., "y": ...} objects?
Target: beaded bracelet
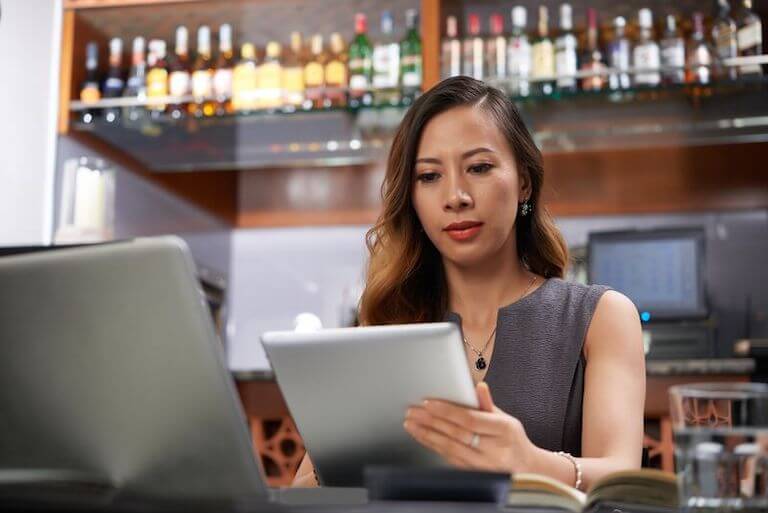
[{"x": 576, "y": 467}]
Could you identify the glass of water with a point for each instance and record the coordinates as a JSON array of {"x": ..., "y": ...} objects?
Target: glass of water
[{"x": 721, "y": 445}]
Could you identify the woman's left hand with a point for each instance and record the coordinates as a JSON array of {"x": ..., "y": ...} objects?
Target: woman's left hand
[{"x": 500, "y": 443}]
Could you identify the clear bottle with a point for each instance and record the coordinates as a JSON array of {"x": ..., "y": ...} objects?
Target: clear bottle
[
  {"x": 411, "y": 73},
  {"x": 519, "y": 54},
  {"x": 203, "y": 104},
  {"x": 314, "y": 74},
  {"x": 89, "y": 91},
  {"x": 543, "y": 56},
  {"x": 496, "y": 52},
  {"x": 619, "y": 52},
  {"x": 179, "y": 79},
  {"x": 157, "y": 78},
  {"x": 749, "y": 38},
  {"x": 451, "y": 56},
  {"x": 360, "y": 65},
  {"x": 222, "y": 77},
  {"x": 114, "y": 83},
  {"x": 136, "y": 85},
  {"x": 724, "y": 38},
  {"x": 386, "y": 64},
  {"x": 592, "y": 61},
  {"x": 700, "y": 55},
  {"x": 473, "y": 48},
  {"x": 269, "y": 82},
  {"x": 646, "y": 56},
  {"x": 244, "y": 81},
  {"x": 293, "y": 74},
  {"x": 672, "y": 53},
  {"x": 336, "y": 74},
  {"x": 566, "y": 50}
]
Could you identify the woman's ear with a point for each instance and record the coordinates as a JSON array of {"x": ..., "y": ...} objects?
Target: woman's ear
[{"x": 525, "y": 186}]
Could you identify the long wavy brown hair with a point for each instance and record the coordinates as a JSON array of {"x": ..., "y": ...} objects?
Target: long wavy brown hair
[{"x": 405, "y": 280}]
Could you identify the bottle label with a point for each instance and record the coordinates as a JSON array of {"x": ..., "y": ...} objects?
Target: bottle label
[
  {"x": 222, "y": 83},
  {"x": 412, "y": 70},
  {"x": 565, "y": 62},
  {"x": 647, "y": 58},
  {"x": 244, "y": 88},
  {"x": 314, "y": 74},
  {"x": 519, "y": 58},
  {"x": 726, "y": 43},
  {"x": 543, "y": 60},
  {"x": 113, "y": 86},
  {"x": 293, "y": 80},
  {"x": 202, "y": 84},
  {"x": 178, "y": 83},
  {"x": 386, "y": 66},
  {"x": 750, "y": 37},
  {"x": 336, "y": 74},
  {"x": 157, "y": 83},
  {"x": 90, "y": 94}
]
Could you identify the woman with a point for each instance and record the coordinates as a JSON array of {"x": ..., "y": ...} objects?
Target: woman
[{"x": 559, "y": 367}]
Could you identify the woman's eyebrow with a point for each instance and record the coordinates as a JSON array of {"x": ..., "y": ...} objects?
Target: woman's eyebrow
[{"x": 465, "y": 155}]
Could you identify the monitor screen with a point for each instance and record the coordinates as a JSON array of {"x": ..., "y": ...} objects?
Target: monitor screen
[{"x": 660, "y": 271}]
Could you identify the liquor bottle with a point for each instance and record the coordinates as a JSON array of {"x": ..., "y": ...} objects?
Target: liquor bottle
[
  {"x": 314, "y": 74},
  {"x": 114, "y": 83},
  {"x": 269, "y": 82},
  {"x": 293, "y": 74},
  {"x": 157, "y": 78},
  {"x": 519, "y": 54},
  {"x": 496, "y": 52},
  {"x": 543, "y": 55},
  {"x": 179, "y": 80},
  {"x": 672, "y": 53},
  {"x": 410, "y": 58},
  {"x": 360, "y": 64},
  {"x": 700, "y": 59},
  {"x": 89, "y": 92},
  {"x": 136, "y": 85},
  {"x": 566, "y": 49},
  {"x": 450, "y": 55},
  {"x": 386, "y": 64},
  {"x": 473, "y": 49},
  {"x": 724, "y": 39},
  {"x": 244, "y": 78},
  {"x": 592, "y": 61},
  {"x": 619, "y": 51},
  {"x": 749, "y": 38},
  {"x": 222, "y": 77},
  {"x": 646, "y": 56},
  {"x": 203, "y": 104},
  {"x": 336, "y": 73}
]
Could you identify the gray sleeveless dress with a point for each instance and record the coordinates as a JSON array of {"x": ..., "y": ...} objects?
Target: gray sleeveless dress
[{"x": 536, "y": 370}]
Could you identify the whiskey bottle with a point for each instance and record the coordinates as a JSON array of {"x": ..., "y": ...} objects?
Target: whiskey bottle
[
  {"x": 543, "y": 56},
  {"x": 592, "y": 61},
  {"x": 410, "y": 58},
  {"x": 270, "y": 79},
  {"x": 619, "y": 52},
  {"x": 566, "y": 50},
  {"x": 293, "y": 74},
  {"x": 157, "y": 78},
  {"x": 203, "y": 104},
  {"x": 136, "y": 85},
  {"x": 450, "y": 53},
  {"x": 672, "y": 53},
  {"x": 336, "y": 74},
  {"x": 724, "y": 38},
  {"x": 496, "y": 52},
  {"x": 646, "y": 55},
  {"x": 222, "y": 76},
  {"x": 749, "y": 38},
  {"x": 519, "y": 54},
  {"x": 360, "y": 65},
  {"x": 244, "y": 78},
  {"x": 114, "y": 83},
  {"x": 386, "y": 64},
  {"x": 314, "y": 74},
  {"x": 89, "y": 92},
  {"x": 178, "y": 77},
  {"x": 699, "y": 65},
  {"x": 473, "y": 49}
]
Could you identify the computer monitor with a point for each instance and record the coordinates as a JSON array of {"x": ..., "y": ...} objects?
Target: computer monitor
[{"x": 661, "y": 271}]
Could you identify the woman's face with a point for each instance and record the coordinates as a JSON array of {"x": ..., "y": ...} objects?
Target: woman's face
[{"x": 466, "y": 186}]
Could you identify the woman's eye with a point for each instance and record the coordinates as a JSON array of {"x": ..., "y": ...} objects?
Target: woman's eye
[
  {"x": 427, "y": 177},
  {"x": 480, "y": 168}
]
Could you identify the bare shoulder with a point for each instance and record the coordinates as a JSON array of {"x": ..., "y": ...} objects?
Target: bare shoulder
[{"x": 615, "y": 326}]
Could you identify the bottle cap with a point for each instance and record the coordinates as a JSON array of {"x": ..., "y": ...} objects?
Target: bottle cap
[
  {"x": 361, "y": 23},
  {"x": 519, "y": 16},
  {"x": 566, "y": 17},
  {"x": 411, "y": 18},
  {"x": 225, "y": 37},
  {"x": 115, "y": 46},
  {"x": 645, "y": 18},
  {"x": 497, "y": 24},
  {"x": 474, "y": 24},
  {"x": 387, "y": 23},
  {"x": 452, "y": 27},
  {"x": 204, "y": 39},
  {"x": 619, "y": 22},
  {"x": 248, "y": 51}
]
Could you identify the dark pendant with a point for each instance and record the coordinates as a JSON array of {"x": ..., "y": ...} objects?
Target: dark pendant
[{"x": 480, "y": 363}]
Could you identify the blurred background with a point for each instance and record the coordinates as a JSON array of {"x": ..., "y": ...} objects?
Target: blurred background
[{"x": 258, "y": 130}]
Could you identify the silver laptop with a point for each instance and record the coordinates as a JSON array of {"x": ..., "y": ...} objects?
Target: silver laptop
[
  {"x": 348, "y": 390},
  {"x": 111, "y": 373}
]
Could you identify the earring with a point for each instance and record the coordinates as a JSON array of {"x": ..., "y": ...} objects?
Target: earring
[{"x": 525, "y": 208}]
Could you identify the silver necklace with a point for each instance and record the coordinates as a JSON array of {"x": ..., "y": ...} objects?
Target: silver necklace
[{"x": 480, "y": 363}]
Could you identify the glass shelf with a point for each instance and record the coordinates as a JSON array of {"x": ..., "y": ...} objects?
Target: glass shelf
[{"x": 722, "y": 113}]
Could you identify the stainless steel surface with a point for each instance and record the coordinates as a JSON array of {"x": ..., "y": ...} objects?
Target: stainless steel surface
[
  {"x": 348, "y": 390},
  {"x": 109, "y": 365}
]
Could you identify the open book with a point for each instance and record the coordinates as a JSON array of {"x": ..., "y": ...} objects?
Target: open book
[{"x": 646, "y": 489}]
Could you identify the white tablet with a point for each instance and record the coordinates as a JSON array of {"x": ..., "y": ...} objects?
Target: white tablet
[{"x": 348, "y": 390}]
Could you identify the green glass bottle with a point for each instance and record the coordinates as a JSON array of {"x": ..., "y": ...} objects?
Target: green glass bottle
[
  {"x": 360, "y": 65},
  {"x": 410, "y": 58}
]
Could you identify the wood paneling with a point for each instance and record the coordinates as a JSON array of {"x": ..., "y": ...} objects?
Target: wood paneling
[
  {"x": 430, "y": 42},
  {"x": 676, "y": 179},
  {"x": 67, "y": 60}
]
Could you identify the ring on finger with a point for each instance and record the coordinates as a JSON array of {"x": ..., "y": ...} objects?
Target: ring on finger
[{"x": 475, "y": 442}]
